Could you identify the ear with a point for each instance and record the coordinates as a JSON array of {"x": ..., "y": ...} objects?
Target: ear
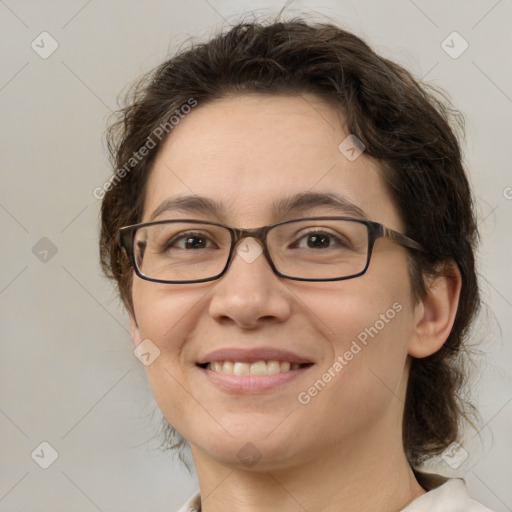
[
  {"x": 134, "y": 330},
  {"x": 434, "y": 316}
]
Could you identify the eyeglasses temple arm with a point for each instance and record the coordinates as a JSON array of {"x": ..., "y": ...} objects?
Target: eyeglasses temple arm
[{"x": 402, "y": 239}]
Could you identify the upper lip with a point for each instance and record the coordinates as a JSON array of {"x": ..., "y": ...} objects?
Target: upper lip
[{"x": 252, "y": 355}]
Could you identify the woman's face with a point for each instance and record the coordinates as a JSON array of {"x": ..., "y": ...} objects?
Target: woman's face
[{"x": 247, "y": 153}]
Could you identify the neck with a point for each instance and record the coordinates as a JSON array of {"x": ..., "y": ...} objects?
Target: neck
[{"x": 365, "y": 476}]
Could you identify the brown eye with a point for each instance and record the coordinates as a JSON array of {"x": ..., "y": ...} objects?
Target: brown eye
[{"x": 190, "y": 241}]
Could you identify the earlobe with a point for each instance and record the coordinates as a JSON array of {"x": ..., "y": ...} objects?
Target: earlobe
[
  {"x": 435, "y": 315},
  {"x": 134, "y": 330}
]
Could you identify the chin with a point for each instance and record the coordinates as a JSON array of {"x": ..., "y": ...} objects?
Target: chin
[{"x": 248, "y": 448}]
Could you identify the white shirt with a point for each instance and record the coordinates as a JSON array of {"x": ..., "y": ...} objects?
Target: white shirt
[{"x": 451, "y": 496}]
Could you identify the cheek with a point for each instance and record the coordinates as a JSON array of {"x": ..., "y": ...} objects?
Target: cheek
[
  {"x": 166, "y": 316},
  {"x": 370, "y": 310},
  {"x": 371, "y": 321},
  {"x": 365, "y": 380},
  {"x": 370, "y": 339},
  {"x": 164, "y": 312}
]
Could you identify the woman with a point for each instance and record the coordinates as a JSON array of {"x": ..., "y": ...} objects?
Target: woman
[{"x": 292, "y": 232}]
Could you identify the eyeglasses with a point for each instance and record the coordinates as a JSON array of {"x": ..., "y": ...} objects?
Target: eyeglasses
[{"x": 305, "y": 249}]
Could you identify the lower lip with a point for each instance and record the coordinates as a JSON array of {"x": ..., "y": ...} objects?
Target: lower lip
[{"x": 251, "y": 383}]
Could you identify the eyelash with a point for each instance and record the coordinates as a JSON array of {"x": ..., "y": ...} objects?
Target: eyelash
[{"x": 312, "y": 231}]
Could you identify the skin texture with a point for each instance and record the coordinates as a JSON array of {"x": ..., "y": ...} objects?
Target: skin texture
[{"x": 245, "y": 152}]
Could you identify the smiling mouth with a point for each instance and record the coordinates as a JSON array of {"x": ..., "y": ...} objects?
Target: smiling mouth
[{"x": 271, "y": 367}]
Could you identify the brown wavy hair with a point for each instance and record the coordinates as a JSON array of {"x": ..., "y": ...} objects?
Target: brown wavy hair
[{"x": 404, "y": 124}]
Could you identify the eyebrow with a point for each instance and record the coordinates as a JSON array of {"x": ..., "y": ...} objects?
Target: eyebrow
[{"x": 298, "y": 203}]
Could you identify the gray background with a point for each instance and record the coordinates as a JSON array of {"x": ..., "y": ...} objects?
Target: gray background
[{"x": 67, "y": 372}]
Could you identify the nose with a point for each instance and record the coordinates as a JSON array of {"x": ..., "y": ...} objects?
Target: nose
[{"x": 249, "y": 294}]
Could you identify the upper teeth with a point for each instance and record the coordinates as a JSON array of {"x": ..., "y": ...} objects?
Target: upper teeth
[{"x": 257, "y": 368}]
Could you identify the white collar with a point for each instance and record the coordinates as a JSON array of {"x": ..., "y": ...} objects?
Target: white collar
[{"x": 452, "y": 496}]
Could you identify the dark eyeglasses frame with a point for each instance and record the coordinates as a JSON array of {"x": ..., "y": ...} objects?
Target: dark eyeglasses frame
[{"x": 126, "y": 235}]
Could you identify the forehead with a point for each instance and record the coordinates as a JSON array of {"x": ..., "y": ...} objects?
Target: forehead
[{"x": 250, "y": 153}]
